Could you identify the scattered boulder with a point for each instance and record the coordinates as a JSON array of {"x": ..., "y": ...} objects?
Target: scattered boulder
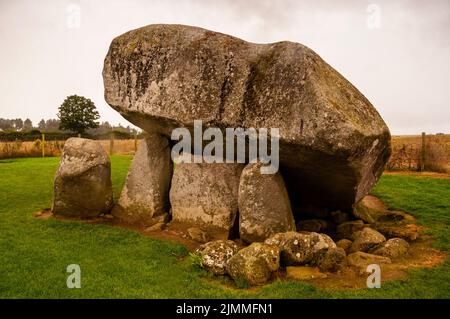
[
  {"x": 344, "y": 244},
  {"x": 82, "y": 186},
  {"x": 320, "y": 242},
  {"x": 392, "y": 248},
  {"x": 254, "y": 264},
  {"x": 264, "y": 207},
  {"x": 198, "y": 234},
  {"x": 346, "y": 230},
  {"x": 366, "y": 239},
  {"x": 373, "y": 211},
  {"x": 334, "y": 143},
  {"x": 369, "y": 209},
  {"x": 361, "y": 260},
  {"x": 215, "y": 255},
  {"x": 205, "y": 194},
  {"x": 304, "y": 273},
  {"x": 339, "y": 217},
  {"x": 331, "y": 260},
  {"x": 300, "y": 248},
  {"x": 313, "y": 225},
  {"x": 145, "y": 195},
  {"x": 409, "y": 232}
]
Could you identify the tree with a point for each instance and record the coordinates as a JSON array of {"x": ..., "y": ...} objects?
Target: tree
[
  {"x": 52, "y": 125},
  {"x": 41, "y": 125},
  {"x": 18, "y": 124},
  {"x": 5, "y": 124},
  {"x": 77, "y": 114},
  {"x": 27, "y": 125}
]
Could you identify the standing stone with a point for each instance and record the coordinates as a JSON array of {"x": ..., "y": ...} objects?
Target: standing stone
[
  {"x": 145, "y": 197},
  {"x": 264, "y": 207},
  {"x": 82, "y": 186},
  {"x": 205, "y": 194}
]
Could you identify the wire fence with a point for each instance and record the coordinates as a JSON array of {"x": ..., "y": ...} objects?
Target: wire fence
[
  {"x": 42, "y": 147},
  {"x": 420, "y": 153},
  {"x": 413, "y": 153}
]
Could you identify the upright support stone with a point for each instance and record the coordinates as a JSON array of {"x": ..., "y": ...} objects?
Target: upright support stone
[
  {"x": 206, "y": 194},
  {"x": 264, "y": 207},
  {"x": 145, "y": 197}
]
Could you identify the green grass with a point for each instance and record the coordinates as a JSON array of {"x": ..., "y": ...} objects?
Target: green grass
[{"x": 119, "y": 263}]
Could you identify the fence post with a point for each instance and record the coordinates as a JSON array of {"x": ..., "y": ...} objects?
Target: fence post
[
  {"x": 111, "y": 143},
  {"x": 43, "y": 144},
  {"x": 135, "y": 142},
  {"x": 422, "y": 153}
]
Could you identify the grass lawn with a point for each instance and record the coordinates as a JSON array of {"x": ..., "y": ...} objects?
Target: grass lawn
[{"x": 119, "y": 263}]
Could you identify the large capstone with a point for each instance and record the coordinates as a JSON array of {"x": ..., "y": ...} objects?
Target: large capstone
[
  {"x": 333, "y": 143},
  {"x": 206, "y": 194},
  {"x": 145, "y": 197},
  {"x": 82, "y": 186}
]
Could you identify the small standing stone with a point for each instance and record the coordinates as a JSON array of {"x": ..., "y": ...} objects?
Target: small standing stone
[{"x": 82, "y": 186}]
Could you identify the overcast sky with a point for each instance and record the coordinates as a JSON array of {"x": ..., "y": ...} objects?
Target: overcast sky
[{"x": 397, "y": 53}]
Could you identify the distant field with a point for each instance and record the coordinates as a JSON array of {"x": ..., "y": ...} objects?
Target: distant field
[
  {"x": 406, "y": 153},
  {"x": 53, "y": 148}
]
